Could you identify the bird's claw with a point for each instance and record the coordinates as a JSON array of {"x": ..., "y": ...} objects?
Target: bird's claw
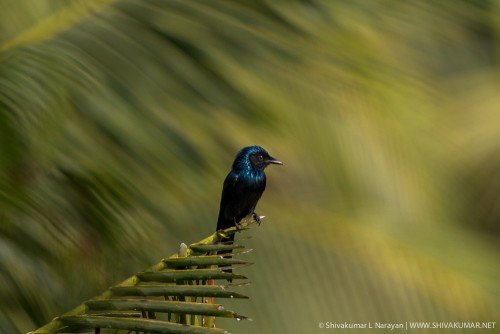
[
  {"x": 237, "y": 225},
  {"x": 256, "y": 217}
]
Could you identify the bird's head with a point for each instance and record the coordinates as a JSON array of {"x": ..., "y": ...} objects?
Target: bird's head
[{"x": 254, "y": 158}]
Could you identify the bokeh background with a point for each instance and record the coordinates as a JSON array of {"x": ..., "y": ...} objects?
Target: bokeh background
[{"x": 120, "y": 119}]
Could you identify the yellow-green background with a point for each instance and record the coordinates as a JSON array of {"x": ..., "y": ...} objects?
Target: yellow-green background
[{"x": 120, "y": 119}]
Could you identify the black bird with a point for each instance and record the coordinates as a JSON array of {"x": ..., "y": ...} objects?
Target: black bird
[{"x": 243, "y": 187}]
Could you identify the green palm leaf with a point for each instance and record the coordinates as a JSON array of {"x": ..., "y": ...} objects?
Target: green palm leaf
[
  {"x": 118, "y": 121},
  {"x": 193, "y": 275}
]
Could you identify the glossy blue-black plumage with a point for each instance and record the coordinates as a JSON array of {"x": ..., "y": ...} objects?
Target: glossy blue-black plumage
[{"x": 243, "y": 186}]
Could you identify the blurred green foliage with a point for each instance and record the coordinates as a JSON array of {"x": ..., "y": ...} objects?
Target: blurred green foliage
[{"x": 119, "y": 121}]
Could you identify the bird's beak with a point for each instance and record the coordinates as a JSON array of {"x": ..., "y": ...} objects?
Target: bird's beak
[{"x": 274, "y": 161}]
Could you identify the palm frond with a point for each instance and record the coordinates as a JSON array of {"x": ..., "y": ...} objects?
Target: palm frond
[
  {"x": 175, "y": 295},
  {"x": 118, "y": 123}
]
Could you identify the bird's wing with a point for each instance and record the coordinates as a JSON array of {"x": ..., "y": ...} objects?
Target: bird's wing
[
  {"x": 241, "y": 196},
  {"x": 231, "y": 180},
  {"x": 232, "y": 196}
]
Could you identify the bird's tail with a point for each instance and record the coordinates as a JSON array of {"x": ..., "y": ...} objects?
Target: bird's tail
[{"x": 228, "y": 241}]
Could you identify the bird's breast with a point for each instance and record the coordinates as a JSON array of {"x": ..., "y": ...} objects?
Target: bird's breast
[{"x": 254, "y": 180}]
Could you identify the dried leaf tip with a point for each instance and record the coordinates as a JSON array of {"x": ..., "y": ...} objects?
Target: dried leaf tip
[{"x": 183, "y": 250}]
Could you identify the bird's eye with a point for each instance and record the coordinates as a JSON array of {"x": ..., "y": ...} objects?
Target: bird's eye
[{"x": 260, "y": 157}]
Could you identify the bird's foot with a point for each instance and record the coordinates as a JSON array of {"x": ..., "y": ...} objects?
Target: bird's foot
[
  {"x": 237, "y": 225},
  {"x": 257, "y": 218}
]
